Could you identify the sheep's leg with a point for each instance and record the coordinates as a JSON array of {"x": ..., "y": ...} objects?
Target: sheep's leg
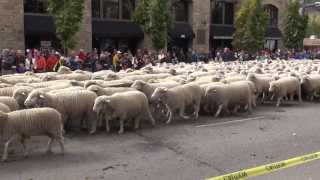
[
  {"x": 218, "y": 111},
  {"x": 136, "y": 123},
  {"x": 196, "y": 110},
  {"x": 263, "y": 97},
  {"x": 6, "y": 146},
  {"x": 170, "y": 116},
  {"x": 60, "y": 139},
  {"x": 49, "y": 151},
  {"x": 291, "y": 97},
  {"x": 92, "y": 118},
  {"x": 121, "y": 126},
  {"x": 279, "y": 101},
  {"x": 107, "y": 125},
  {"x": 151, "y": 119},
  {"x": 181, "y": 112},
  {"x": 235, "y": 109},
  {"x": 23, "y": 143}
]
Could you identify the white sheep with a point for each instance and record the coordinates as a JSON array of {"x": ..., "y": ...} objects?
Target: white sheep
[
  {"x": 285, "y": 86},
  {"x": 73, "y": 105},
  {"x": 178, "y": 98},
  {"x": 23, "y": 124},
  {"x": 10, "y": 102},
  {"x": 132, "y": 105},
  {"x": 108, "y": 91}
]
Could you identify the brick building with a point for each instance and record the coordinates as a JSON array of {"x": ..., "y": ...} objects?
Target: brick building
[{"x": 199, "y": 24}]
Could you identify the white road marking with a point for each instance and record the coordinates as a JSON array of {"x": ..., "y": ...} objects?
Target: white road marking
[{"x": 230, "y": 122}]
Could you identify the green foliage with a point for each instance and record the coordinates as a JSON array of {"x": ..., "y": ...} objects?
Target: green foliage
[
  {"x": 295, "y": 26},
  {"x": 155, "y": 18},
  {"x": 314, "y": 26},
  {"x": 68, "y": 15},
  {"x": 251, "y": 22}
]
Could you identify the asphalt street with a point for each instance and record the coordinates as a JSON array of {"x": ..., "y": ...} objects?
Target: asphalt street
[{"x": 183, "y": 150}]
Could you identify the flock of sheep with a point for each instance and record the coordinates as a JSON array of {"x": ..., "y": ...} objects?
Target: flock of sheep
[{"x": 47, "y": 103}]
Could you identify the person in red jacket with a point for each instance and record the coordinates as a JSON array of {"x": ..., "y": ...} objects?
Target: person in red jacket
[
  {"x": 40, "y": 63},
  {"x": 52, "y": 61}
]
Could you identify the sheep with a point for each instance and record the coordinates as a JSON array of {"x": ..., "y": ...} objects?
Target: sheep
[
  {"x": 108, "y": 91},
  {"x": 23, "y": 124},
  {"x": 178, "y": 98},
  {"x": 10, "y": 102},
  {"x": 21, "y": 94},
  {"x": 73, "y": 105},
  {"x": 148, "y": 88},
  {"x": 285, "y": 86},
  {"x": 132, "y": 105},
  {"x": 229, "y": 95},
  {"x": 4, "y": 108},
  {"x": 311, "y": 85},
  {"x": 64, "y": 70},
  {"x": 262, "y": 84}
]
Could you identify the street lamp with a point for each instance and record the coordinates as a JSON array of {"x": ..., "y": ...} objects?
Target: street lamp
[{"x": 305, "y": 6}]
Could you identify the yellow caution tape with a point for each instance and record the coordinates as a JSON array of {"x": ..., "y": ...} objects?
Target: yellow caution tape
[{"x": 265, "y": 169}]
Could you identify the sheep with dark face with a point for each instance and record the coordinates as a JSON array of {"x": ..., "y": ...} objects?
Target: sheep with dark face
[{"x": 132, "y": 105}]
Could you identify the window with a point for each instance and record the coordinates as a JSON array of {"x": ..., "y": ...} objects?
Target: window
[
  {"x": 127, "y": 8},
  {"x": 35, "y": 6},
  {"x": 229, "y": 13},
  {"x": 181, "y": 11},
  {"x": 222, "y": 12},
  {"x": 217, "y": 12},
  {"x": 273, "y": 14},
  {"x": 110, "y": 9},
  {"x": 96, "y": 11}
]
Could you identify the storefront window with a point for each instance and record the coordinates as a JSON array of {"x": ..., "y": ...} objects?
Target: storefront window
[
  {"x": 110, "y": 9},
  {"x": 222, "y": 12},
  {"x": 35, "y": 6},
  {"x": 229, "y": 13},
  {"x": 127, "y": 8},
  {"x": 273, "y": 14},
  {"x": 181, "y": 11},
  {"x": 96, "y": 9}
]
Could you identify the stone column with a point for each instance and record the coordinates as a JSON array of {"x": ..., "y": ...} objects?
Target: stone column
[
  {"x": 11, "y": 24},
  {"x": 84, "y": 36},
  {"x": 201, "y": 25}
]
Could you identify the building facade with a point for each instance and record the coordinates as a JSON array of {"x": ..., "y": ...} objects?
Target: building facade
[{"x": 202, "y": 25}]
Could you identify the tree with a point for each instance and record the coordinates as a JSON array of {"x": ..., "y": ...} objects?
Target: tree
[
  {"x": 295, "y": 26},
  {"x": 155, "y": 18},
  {"x": 251, "y": 23},
  {"x": 314, "y": 26},
  {"x": 68, "y": 16}
]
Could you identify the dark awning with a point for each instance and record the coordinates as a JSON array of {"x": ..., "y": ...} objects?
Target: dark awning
[
  {"x": 182, "y": 30},
  {"x": 273, "y": 33},
  {"x": 116, "y": 29},
  {"x": 221, "y": 32},
  {"x": 39, "y": 24}
]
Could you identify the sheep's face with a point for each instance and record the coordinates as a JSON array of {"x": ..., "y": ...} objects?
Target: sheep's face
[
  {"x": 35, "y": 99},
  {"x": 138, "y": 85},
  {"x": 102, "y": 107},
  {"x": 159, "y": 94},
  {"x": 20, "y": 97},
  {"x": 273, "y": 88}
]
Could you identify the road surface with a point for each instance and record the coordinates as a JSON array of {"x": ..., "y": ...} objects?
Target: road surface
[{"x": 183, "y": 150}]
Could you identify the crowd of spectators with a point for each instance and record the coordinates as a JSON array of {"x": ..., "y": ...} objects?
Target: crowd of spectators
[{"x": 18, "y": 61}]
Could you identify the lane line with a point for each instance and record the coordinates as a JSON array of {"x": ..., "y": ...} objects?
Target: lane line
[{"x": 230, "y": 122}]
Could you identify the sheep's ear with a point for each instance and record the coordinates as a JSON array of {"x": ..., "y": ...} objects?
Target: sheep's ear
[
  {"x": 24, "y": 93},
  {"x": 41, "y": 96},
  {"x": 165, "y": 89},
  {"x": 107, "y": 100},
  {"x": 94, "y": 88}
]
